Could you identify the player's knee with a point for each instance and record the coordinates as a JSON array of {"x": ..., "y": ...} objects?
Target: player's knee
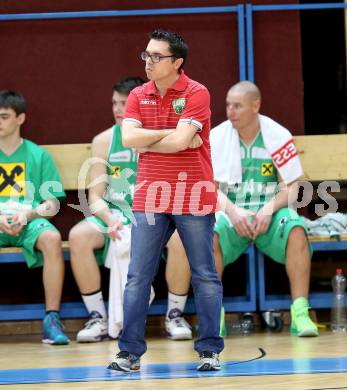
[
  {"x": 175, "y": 245},
  {"x": 297, "y": 238},
  {"x": 50, "y": 240},
  {"x": 297, "y": 233},
  {"x": 75, "y": 237},
  {"x": 80, "y": 237}
]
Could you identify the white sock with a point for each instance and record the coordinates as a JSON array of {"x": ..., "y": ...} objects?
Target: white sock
[
  {"x": 95, "y": 302},
  {"x": 175, "y": 302}
]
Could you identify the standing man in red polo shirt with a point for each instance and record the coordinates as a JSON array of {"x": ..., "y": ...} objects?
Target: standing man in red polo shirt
[{"x": 168, "y": 121}]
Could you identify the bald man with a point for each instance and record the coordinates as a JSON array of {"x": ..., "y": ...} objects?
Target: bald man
[{"x": 255, "y": 210}]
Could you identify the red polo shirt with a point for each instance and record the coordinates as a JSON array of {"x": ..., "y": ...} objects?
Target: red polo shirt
[{"x": 174, "y": 183}]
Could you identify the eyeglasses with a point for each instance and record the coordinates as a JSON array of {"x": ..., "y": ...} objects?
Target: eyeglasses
[{"x": 154, "y": 57}]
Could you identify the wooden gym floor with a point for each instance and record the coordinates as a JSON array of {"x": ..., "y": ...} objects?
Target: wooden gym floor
[{"x": 290, "y": 363}]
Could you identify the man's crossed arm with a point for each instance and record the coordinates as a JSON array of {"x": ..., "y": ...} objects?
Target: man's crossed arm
[{"x": 162, "y": 141}]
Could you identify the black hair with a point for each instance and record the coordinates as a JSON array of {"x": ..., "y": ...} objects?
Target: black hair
[
  {"x": 178, "y": 47},
  {"x": 13, "y": 100},
  {"x": 125, "y": 86}
]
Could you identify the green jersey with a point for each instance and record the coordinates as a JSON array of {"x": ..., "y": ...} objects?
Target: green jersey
[
  {"x": 259, "y": 176},
  {"x": 27, "y": 178},
  {"x": 121, "y": 172}
]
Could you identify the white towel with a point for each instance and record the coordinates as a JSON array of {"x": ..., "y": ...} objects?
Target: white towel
[
  {"x": 118, "y": 259},
  {"x": 331, "y": 224},
  {"x": 226, "y": 154}
]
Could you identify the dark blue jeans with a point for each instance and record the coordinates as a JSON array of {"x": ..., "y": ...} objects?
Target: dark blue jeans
[{"x": 148, "y": 239}]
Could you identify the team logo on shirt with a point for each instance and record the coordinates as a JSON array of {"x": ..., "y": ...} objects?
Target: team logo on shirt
[
  {"x": 116, "y": 171},
  {"x": 178, "y": 105},
  {"x": 12, "y": 179},
  {"x": 267, "y": 169}
]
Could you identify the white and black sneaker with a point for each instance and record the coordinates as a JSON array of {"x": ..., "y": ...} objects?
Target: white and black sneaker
[
  {"x": 95, "y": 329},
  {"x": 177, "y": 328},
  {"x": 208, "y": 361},
  {"x": 125, "y": 362}
]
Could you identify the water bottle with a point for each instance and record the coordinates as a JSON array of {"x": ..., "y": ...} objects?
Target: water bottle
[
  {"x": 244, "y": 326},
  {"x": 338, "y": 310},
  {"x": 247, "y": 324},
  {"x": 236, "y": 327}
]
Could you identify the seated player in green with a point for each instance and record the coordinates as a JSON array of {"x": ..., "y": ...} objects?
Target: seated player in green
[
  {"x": 256, "y": 166},
  {"x": 30, "y": 191}
]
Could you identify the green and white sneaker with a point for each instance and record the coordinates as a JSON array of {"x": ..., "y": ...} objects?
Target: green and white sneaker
[{"x": 301, "y": 324}]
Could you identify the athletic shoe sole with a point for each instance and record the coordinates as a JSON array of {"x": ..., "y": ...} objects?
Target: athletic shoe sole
[
  {"x": 115, "y": 367},
  {"x": 304, "y": 333},
  {"x": 91, "y": 339},
  {"x": 56, "y": 342},
  {"x": 179, "y": 336},
  {"x": 208, "y": 367}
]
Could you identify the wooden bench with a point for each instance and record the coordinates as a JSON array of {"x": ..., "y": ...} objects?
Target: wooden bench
[
  {"x": 69, "y": 159},
  {"x": 324, "y": 158}
]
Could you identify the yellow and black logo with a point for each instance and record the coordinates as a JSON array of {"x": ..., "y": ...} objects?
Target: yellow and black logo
[
  {"x": 267, "y": 169},
  {"x": 116, "y": 171},
  {"x": 12, "y": 179}
]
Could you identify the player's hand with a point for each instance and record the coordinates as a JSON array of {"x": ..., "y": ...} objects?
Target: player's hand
[
  {"x": 242, "y": 221},
  {"x": 5, "y": 224},
  {"x": 13, "y": 224},
  {"x": 196, "y": 142},
  {"x": 113, "y": 229},
  {"x": 262, "y": 221}
]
